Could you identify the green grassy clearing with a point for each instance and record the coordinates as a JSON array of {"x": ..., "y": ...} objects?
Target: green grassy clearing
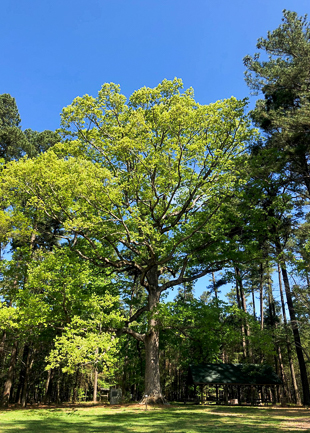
[{"x": 177, "y": 419}]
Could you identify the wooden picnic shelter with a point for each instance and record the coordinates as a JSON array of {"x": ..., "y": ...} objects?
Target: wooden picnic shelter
[{"x": 234, "y": 383}]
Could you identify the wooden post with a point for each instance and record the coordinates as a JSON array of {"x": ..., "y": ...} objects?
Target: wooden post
[{"x": 226, "y": 394}]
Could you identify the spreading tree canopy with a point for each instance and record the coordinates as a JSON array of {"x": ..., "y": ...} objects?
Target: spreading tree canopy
[{"x": 144, "y": 189}]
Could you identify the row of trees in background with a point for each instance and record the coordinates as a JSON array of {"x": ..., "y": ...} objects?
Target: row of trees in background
[{"x": 133, "y": 199}]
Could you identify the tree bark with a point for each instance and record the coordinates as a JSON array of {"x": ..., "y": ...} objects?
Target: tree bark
[
  {"x": 272, "y": 311},
  {"x": 76, "y": 386},
  {"x": 245, "y": 325},
  {"x": 238, "y": 295},
  {"x": 20, "y": 385},
  {"x": 296, "y": 395},
  {"x": 215, "y": 288},
  {"x": 282, "y": 372},
  {"x": 95, "y": 381},
  {"x": 29, "y": 363},
  {"x": 9, "y": 380},
  {"x": 299, "y": 352},
  {"x": 242, "y": 325},
  {"x": 253, "y": 301},
  {"x": 47, "y": 385},
  {"x": 2, "y": 346},
  {"x": 261, "y": 297},
  {"x": 152, "y": 375}
]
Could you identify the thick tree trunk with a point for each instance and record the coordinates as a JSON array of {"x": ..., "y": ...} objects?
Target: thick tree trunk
[
  {"x": 9, "y": 380},
  {"x": 299, "y": 352},
  {"x": 152, "y": 375}
]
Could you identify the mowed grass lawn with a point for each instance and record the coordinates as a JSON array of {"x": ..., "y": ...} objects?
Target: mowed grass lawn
[{"x": 134, "y": 418}]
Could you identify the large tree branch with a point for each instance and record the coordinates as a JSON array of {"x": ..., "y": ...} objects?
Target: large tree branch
[
  {"x": 134, "y": 334},
  {"x": 181, "y": 279},
  {"x": 125, "y": 330},
  {"x": 138, "y": 313}
]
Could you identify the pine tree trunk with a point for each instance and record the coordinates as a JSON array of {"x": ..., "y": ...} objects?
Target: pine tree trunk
[
  {"x": 215, "y": 288},
  {"x": 296, "y": 396},
  {"x": 300, "y": 355},
  {"x": 272, "y": 312},
  {"x": 303, "y": 161},
  {"x": 253, "y": 301},
  {"x": 261, "y": 297},
  {"x": 246, "y": 328},
  {"x": 272, "y": 321},
  {"x": 238, "y": 295}
]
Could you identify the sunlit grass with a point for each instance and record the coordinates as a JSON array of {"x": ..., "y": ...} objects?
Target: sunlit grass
[{"x": 135, "y": 418}]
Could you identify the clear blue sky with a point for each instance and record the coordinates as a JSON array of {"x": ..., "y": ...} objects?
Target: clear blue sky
[{"x": 55, "y": 50}]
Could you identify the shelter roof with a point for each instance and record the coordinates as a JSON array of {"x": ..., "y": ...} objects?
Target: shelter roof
[{"x": 233, "y": 374}]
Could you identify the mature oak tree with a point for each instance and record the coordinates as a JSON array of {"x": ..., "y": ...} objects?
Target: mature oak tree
[{"x": 144, "y": 189}]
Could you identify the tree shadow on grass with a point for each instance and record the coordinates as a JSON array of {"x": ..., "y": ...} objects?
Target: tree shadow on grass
[{"x": 175, "y": 421}]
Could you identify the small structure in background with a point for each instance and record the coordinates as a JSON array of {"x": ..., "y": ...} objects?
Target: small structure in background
[
  {"x": 115, "y": 396},
  {"x": 104, "y": 394},
  {"x": 234, "y": 383}
]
